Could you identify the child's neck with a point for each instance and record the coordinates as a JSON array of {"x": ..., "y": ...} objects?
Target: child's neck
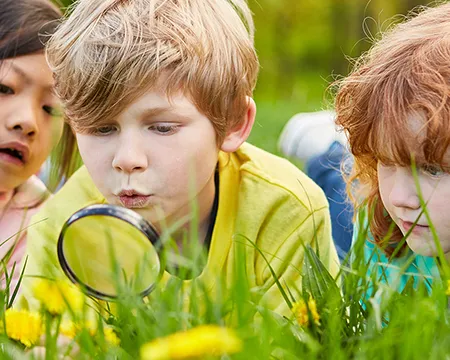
[
  {"x": 5, "y": 198},
  {"x": 206, "y": 204},
  {"x": 202, "y": 224}
]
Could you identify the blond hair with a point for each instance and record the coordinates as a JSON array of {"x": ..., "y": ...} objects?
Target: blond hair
[
  {"x": 108, "y": 53},
  {"x": 406, "y": 72}
]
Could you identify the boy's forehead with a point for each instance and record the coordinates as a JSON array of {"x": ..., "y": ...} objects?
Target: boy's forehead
[{"x": 154, "y": 102}]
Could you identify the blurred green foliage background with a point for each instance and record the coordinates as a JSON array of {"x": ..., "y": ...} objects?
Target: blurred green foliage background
[{"x": 303, "y": 45}]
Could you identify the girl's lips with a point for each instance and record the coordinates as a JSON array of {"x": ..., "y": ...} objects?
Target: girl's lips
[
  {"x": 16, "y": 152},
  {"x": 418, "y": 229},
  {"x": 8, "y": 158}
]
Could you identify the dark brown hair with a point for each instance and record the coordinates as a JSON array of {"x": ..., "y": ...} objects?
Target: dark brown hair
[{"x": 25, "y": 27}]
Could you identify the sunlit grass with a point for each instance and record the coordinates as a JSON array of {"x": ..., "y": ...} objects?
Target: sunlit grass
[
  {"x": 272, "y": 116},
  {"x": 388, "y": 325}
]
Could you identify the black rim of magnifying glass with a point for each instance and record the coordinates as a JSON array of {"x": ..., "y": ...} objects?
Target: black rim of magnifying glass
[{"x": 117, "y": 212}]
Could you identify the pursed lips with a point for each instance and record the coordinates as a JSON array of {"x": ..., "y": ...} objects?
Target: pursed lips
[{"x": 133, "y": 199}]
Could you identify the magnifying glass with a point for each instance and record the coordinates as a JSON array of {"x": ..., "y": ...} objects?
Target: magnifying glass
[{"x": 109, "y": 250}]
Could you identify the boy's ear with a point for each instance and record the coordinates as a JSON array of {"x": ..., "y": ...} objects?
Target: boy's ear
[{"x": 239, "y": 134}]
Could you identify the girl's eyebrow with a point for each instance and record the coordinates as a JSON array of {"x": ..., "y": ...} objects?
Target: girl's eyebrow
[
  {"x": 20, "y": 72},
  {"x": 48, "y": 88}
]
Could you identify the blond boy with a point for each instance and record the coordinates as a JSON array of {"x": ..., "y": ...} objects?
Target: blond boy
[{"x": 159, "y": 92}]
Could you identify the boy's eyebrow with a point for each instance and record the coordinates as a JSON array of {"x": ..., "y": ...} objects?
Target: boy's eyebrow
[
  {"x": 149, "y": 113},
  {"x": 24, "y": 76},
  {"x": 155, "y": 111}
]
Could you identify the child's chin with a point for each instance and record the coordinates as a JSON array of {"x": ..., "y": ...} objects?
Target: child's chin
[
  {"x": 423, "y": 247},
  {"x": 152, "y": 215}
]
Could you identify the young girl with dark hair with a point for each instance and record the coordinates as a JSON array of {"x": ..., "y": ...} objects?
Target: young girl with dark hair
[{"x": 29, "y": 122}]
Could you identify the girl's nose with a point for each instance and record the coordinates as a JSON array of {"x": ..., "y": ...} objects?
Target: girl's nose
[
  {"x": 404, "y": 192},
  {"x": 25, "y": 119}
]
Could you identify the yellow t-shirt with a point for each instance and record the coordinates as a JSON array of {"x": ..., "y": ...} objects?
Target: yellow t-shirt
[{"x": 262, "y": 197}]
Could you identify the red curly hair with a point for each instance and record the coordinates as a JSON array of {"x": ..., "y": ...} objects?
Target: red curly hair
[{"x": 406, "y": 71}]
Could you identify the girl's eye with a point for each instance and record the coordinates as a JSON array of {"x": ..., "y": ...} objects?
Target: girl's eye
[
  {"x": 432, "y": 170},
  {"x": 164, "y": 129},
  {"x": 104, "y": 130},
  {"x": 51, "y": 110},
  {"x": 6, "y": 90}
]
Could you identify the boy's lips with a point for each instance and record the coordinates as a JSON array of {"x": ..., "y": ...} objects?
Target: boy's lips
[
  {"x": 14, "y": 152},
  {"x": 133, "y": 200}
]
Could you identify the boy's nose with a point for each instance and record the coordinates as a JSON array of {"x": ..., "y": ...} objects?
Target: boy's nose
[
  {"x": 404, "y": 193},
  {"x": 130, "y": 157}
]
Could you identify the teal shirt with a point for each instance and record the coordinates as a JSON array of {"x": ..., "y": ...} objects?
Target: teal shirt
[{"x": 397, "y": 272}]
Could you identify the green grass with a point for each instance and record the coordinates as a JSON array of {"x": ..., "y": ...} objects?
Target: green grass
[
  {"x": 272, "y": 115},
  {"x": 270, "y": 120},
  {"x": 363, "y": 319}
]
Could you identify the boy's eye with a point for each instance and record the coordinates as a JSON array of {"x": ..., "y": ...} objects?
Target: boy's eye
[
  {"x": 6, "y": 90},
  {"x": 433, "y": 170},
  {"x": 164, "y": 129},
  {"x": 105, "y": 130}
]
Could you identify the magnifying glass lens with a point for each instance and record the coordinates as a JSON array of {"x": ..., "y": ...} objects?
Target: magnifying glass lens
[{"x": 107, "y": 253}]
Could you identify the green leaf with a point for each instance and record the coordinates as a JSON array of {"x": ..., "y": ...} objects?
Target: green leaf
[
  {"x": 317, "y": 281},
  {"x": 16, "y": 289},
  {"x": 409, "y": 289}
]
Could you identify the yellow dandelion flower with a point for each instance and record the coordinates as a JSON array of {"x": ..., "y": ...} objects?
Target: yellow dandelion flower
[
  {"x": 110, "y": 336},
  {"x": 300, "y": 310},
  {"x": 202, "y": 341},
  {"x": 70, "y": 329},
  {"x": 447, "y": 292},
  {"x": 23, "y": 326},
  {"x": 55, "y": 295}
]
